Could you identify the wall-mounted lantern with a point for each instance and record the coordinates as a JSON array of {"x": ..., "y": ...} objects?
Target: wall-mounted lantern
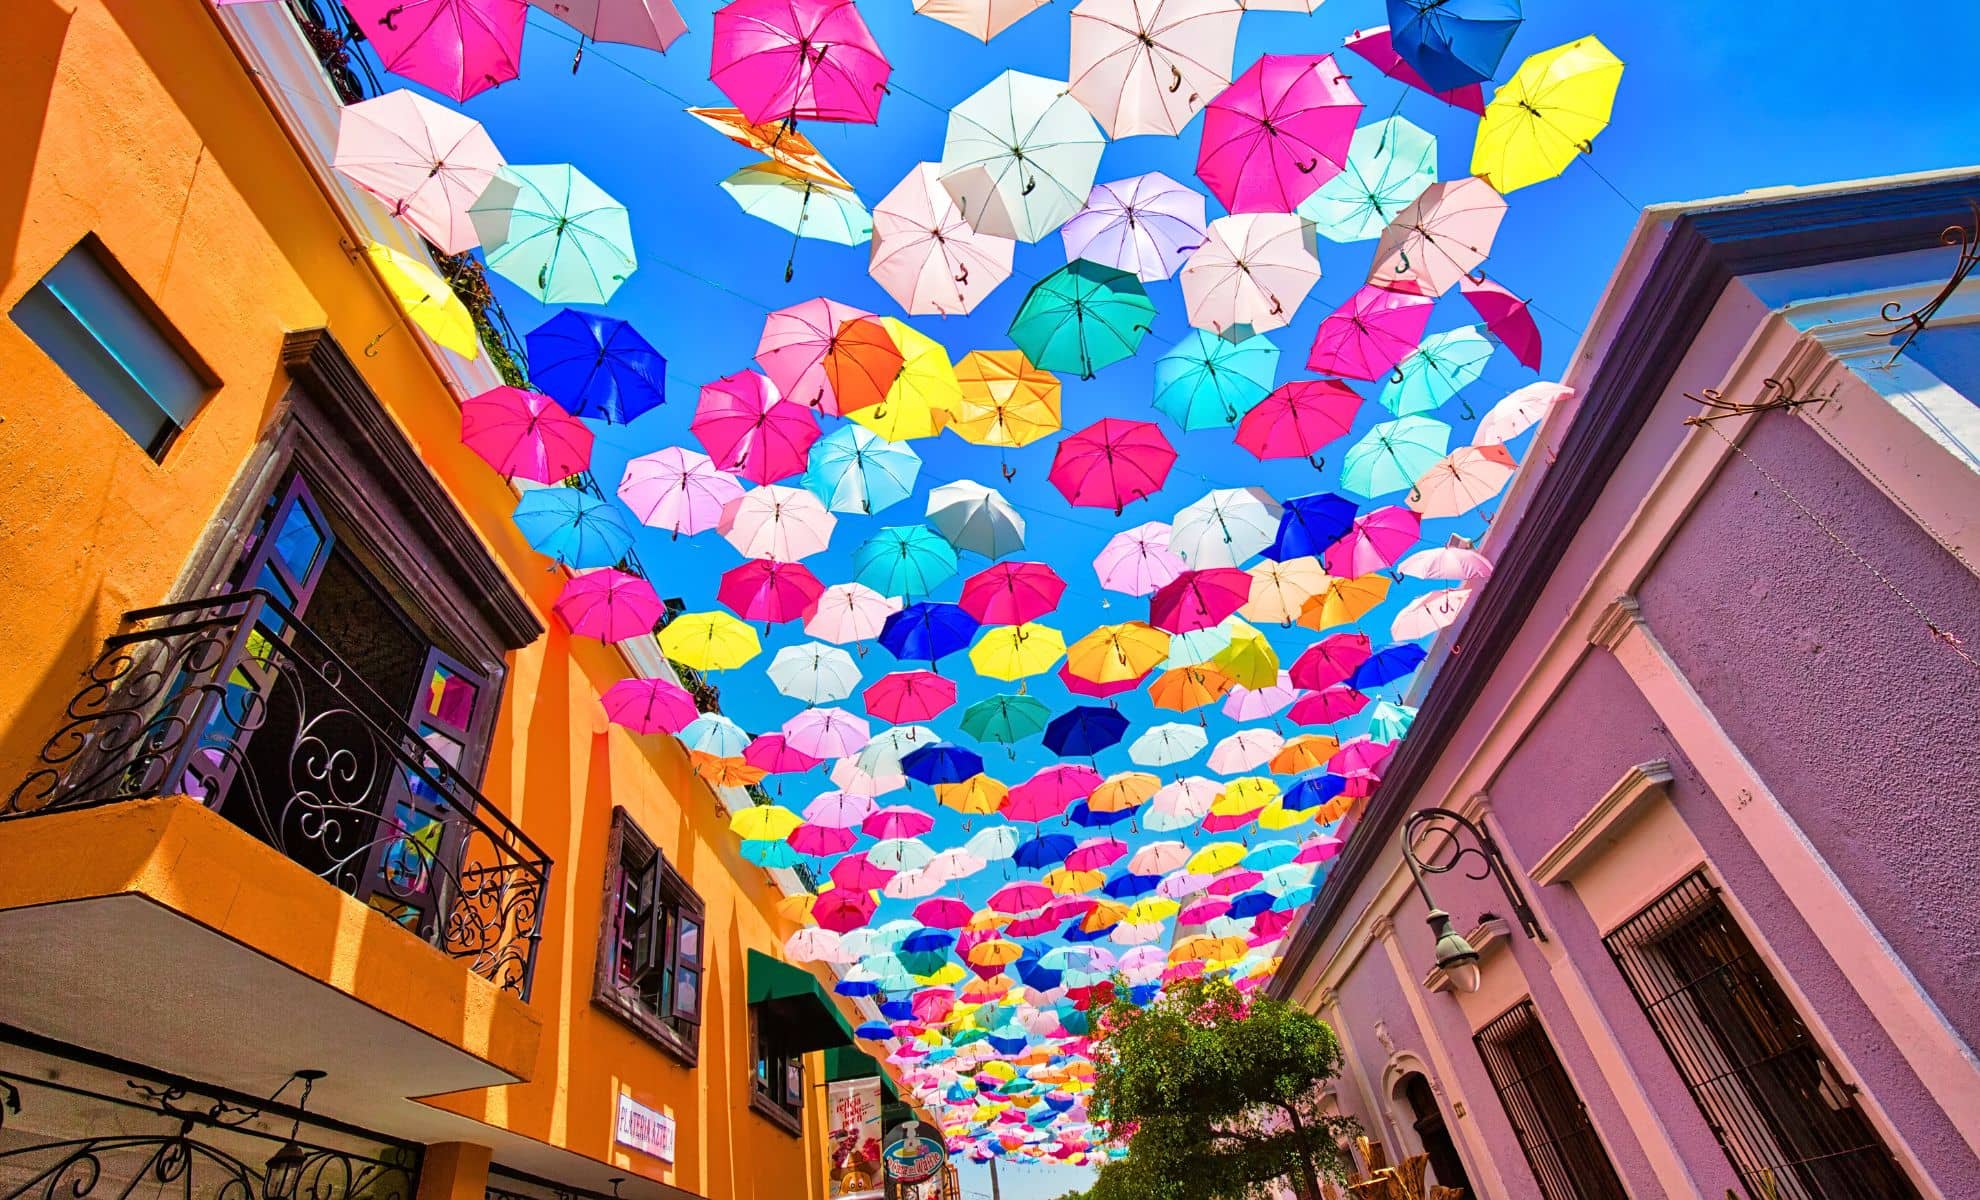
[{"x": 1444, "y": 834}]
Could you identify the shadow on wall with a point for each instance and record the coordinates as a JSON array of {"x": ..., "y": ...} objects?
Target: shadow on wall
[{"x": 29, "y": 57}]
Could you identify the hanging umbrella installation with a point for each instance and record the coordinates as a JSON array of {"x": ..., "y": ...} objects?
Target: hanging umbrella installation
[
  {"x": 1547, "y": 114},
  {"x": 747, "y": 428},
  {"x": 1207, "y": 382},
  {"x": 1299, "y": 420},
  {"x": 794, "y": 347},
  {"x": 525, "y": 435},
  {"x": 1370, "y": 333},
  {"x": 677, "y": 489},
  {"x": 425, "y": 299},
  {"x": 1391, "y": 456},
  {"x": 1083, "y": 317},
  {"x": 783, "y": 524},
  {"x": 1388, "y": 165},
  {"x": 1112, "y": 463},
  {"x": 1436, "y": 371},
  {"x": 648, "y": 24},
  {"x": 555, "y": 234},
  {"x": 1439, "y": 239},
  {"x": 1376, "y": 47},
  {"x": 1452, "y": 43},
  {"x": 798, "y": 60},
  {"x": 1507, "y": 317},
  {"x": 1250, "y": 274},
  {"x": 972, "y": 517},
  {"x": 459, "y": 48},
  {"x": 803, "y": 208},
  {"x": 981, "y": 19},
  {"x": 1146, "y": 66},
  {"x": 927, "y": 255},
  {"x": 577, "y": 529},
  {"x": 1277, "y": 133},
  {"x": 596, "y": 366}
]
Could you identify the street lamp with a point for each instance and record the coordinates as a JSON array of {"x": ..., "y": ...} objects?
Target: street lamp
[
  {"x": 1456, "y": 956},
  {"x": 287, "y": 1164}
]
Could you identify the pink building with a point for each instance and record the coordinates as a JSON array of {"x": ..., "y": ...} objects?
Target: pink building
[{"x": 1718, "y": 715}]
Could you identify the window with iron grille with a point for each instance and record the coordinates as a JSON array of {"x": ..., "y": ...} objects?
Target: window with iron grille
[
  {"x": 1555, "y": 1134},
  {"x": 650, "y": 954},
  {"x": 1785, "y": 1118}
]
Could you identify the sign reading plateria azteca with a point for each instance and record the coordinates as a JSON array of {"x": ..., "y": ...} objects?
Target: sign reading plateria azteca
[
  {"x": 853, "y": 1140},
  {"x": 644, "y": 1129},
  {"x": 914, "y": 1155}
]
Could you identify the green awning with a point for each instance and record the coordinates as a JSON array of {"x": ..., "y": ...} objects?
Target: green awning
[
  {"x": 846, "y": 1062},
  {"x": 793, "y": 1007}
]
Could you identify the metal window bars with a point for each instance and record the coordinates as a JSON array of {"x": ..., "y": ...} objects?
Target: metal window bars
[{"x": 1552, "y": 1125}]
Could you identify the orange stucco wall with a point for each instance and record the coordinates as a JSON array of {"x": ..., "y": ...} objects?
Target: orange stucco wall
[{"x": 134, "y": 120}]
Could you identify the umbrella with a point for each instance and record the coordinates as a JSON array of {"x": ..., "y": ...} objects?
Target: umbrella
[
  {"x": 1520, "y": 411},
  {"x": 782, "y": 144},
  {"x": 842, "y": 910},
  {"x": 862, "y": 365},
  {"x": 555, "y": 234},
  {"x": 459, "y": 48},
  {"x": 1113, "y": 653},
  {"x": 1393, "y": 455},
  {"x": 1280, "y": 590},
  {"x": 1444, "y": 365},
  {"x": 1546, "y": 114},
  {"x": 1181, "y": 689},
  {"x": 747, "y": 428},
  {"x": 784, "y": 524},
  {"x": 974, "y": 518},
  {"x": 1390, "y": 721},
  {"x": 1012, "y": 593},
  {"x": 648, "y": 24},
  {"x": 1011, "y": 652},
  {"x": 1299, "y": 420},
  {"x": 1250, "y": 273},
  {"x": 849, "y": 612},
  {"x": 1137, "y": 561},
  {"x": 1082, "y": 317},
  {"x": 596, "y": 366},
  {"x": 1374, "y": 542},
  {"x": 926, "y": 255},
  {"x": 981, "y": 19},
  {"x": 1112, "y": 462},
  {"x": 1277, "y": 132},
  {"x": 524, "y": 435},
  {"x": 801, "y": 207},
  {"x": 1451, "y": 43},
  {"x": 678, "y": 489},
  {"x": 1019, "y": 156},
  {"x": 1004, "y": 401},
  {"x": 975, "y": 796},
  {"x": 1049, "y": 792},
  {"x": 1439, "y": 239},
  {"x": 426, "y": 299},
  {"x": 649, "y": 705},
  {"x": 798, "y": 60},
  {"x": 1370, "y": 333},
  {"x": 1389, "y": 163},
  {"x": 855, "y": 470},
  {"x": 794, "y": 348},
  {"x": 926, "y": 632},
  {"x": 1206, "y": 381},
  {"x": 1224, "y": 528},
  {"x": 1199, "y": 599},
  {"x": 1006, "y": 718},
  {"x": 904, "y": 560},
  {"x": 1249, "y": 659},
  {"x": 1428, "y": 613},
  {"x": 1144, "y": 66},
  {"x": 829, "y": 733},
  {"x": 1310, "y": 524},
  {"x": 577, "y": 529},
  {"x": 909, "y": 696},
  {"x": 813, "y": 673},
  {"x": 1378, "y": 48},
  {"x": 1245, "y": 750},
  {"x": 709, "y": 641},
  {"x": 1255, "y": 704},
  {"x": 1084, "y": 731},
  {"x": 773, "y": 756},
  {"x": 1386, "y": 666},
  {"x": 609, "y": 605},
  {"x": 1506, "y": 316},
  {"x": 1457, "y": 561},
  {"x": 1464, "y": 479},
  {"x": 1330, "y": 660},
  {"x": 424, "y": 160},
  {"x": 1344, "y": 601},
  {"x": 1167, "y": 744},
  {"x": 1145, "y": 225},
  {"x": 766, "y": 590},
  {"x": 922, "y": 395}
]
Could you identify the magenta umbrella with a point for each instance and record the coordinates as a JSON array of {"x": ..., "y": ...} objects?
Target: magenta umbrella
[
  {"x": 1369, "y": 334},
  {"x": 1049, "y": 792},
  {"x": 1277, "y": 133},
  {"x": 1330, "y": 660},
  {"x": 764, "y": 589},
  {"x": 1011, "y": 593},
  {"x": 678, "y": 489},
  {"x": 827, "y": 733},
  {"x": 1507, "y": 316},
  {"x": 903, "y": 696},
  {"x": 1137, "y": 561},
  {"x": 1111, "y": 462},
  {"x": 1096, "y": 854},
  {"x": 795, "y": 343},
  {"x": 821, "y": 841},
  {"x": 1199, "y": 599},
  {"x": 856, "y": 872},
  {"x": 458, "y": 48},
  {"x": 1101, "y": 691},
  {"x": 748, "y": 428},
  {"x": 770, "y": 753},
  {"x": 1146, "y": 225},
  {"x": 609, "y": 604},
  {"x": 649, "y": 705},
  {"x": 1327, "y": 706},
  {"x": 798, "y": 60},
  {"x": 945, "y": 912},
  {"x": 842, "y": 910},
  {"x": 1374, "y": 542},
  {"x": 525, "y": 435},
  {"x": 897, "y": 821},
  {"x": 1376, "y": 46},
  {"x": 1299, "y": 419}
]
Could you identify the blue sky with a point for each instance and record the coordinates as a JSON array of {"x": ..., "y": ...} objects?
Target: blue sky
[{"x": 1717, "y": 98}]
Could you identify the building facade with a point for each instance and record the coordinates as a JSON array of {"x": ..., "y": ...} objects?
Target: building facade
[
  {"x": 321, "y": 871},
  {"x": 1697, "y": 778}
]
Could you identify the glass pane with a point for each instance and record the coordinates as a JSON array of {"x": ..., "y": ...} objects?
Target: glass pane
[
  {"x": 687, "y": 993},
  {"x": 793, "y": 1082},
  {"x": 299, "y": 541},
  {"x": 114, "y": 320},
  {"x": 450, "y": 697},
  {"x": 409, "y": 859},
  {"x": 690, "y": 942},
  {"x": 92, "y": 367},
  {"x": 448, "y": 751}
]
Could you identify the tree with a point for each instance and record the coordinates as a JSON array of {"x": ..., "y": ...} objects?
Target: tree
[{"x": 1216, "y": 1095}]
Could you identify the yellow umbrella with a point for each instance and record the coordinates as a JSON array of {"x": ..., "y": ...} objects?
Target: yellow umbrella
[
  {"x": 1017, "y": 651},
  {"x": 1116, "y": 653},
  {"x": 974, "y": 796},
  {"x": 1278, "y": 816},
  {"x": 999, "y": 1069},
  {"x": 1280, "y": 589},
  {"x": 949, "y": 974},
  {"x": 1215, "y": 857},
  {"x": 709, "y": 641},
  {"x": 1119, "y": 793},
  {"x": 798, "y": 907},
  {"x": 1344, "y": 601},
  {"x": 1180, "y": 689},
  {"x": 1004, "y": 400},
  {"x": 765, "y": 822},
  {"x": 1249, "y": 660},
  {"x": 1208, "y": 949},
  {"x": 1065, "y": 881},
  {"x": 1150, "y": 909},
  {"x": 426, "y": 299},
  {"x": 1304, "y": 753},
  {"x": 1246, "y": 795},
  {"x": 923, "y": 396},
  {"x": 1546, "y": 114}
]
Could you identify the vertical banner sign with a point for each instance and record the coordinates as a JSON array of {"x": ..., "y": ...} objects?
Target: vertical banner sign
[{"x": 852, "y": 1140}]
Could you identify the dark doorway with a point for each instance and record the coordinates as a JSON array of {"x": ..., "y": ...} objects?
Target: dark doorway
[{"x": 1445, "y": 1165}]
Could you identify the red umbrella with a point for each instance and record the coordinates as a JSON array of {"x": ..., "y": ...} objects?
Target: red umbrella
[
  {"x": 856, "y": 873},
  {"x": 843, "y": 910},
  {"x": 1330, "y": 660},
  {"x": 1507, "y": 316},
  {"x": 1086, "y": 687},
  {"x": 821, "y": 841},
  {"x": 1199, "y": 599},
  {"x": 1369, "y": 334},
  {"x": 649, "y": 705},
  {"x": 1011, "y": 593},
  {"x": 770, "y": 753},
  {"x": 747, "y": 428},
  {"x": 1326, "y": 707},
  {"x": 1277, "y": 133},
  {"x": 525, "y": 435},
  {"x": 1374, "y": 542},
  {"x": 764, "y": 589},
  {"x": 1298, "y": 419},
  {"x": 798, "y": 60},
  {"x": 904, "y": 696},
  {"x": 1111, "y": 462},
  {"x": 1375, "y": 46},
  {"x": 609, "y": 605}
]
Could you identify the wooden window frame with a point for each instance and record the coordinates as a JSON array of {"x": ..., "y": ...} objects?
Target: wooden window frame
[
  {"x": 629, "y": 850},
  {"x": 762, "y": 1099}
]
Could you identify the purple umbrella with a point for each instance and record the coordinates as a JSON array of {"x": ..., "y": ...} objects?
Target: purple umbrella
[{"x": 1147, "y": 225}]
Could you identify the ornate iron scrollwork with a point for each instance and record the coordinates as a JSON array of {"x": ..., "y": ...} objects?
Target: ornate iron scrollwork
[
  {"x": 1966, "y": 241},
  {"x": 1441, "y": 823}
]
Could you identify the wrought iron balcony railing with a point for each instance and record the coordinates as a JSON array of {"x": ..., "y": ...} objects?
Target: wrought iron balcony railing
[{"x": 232, "y": 700}]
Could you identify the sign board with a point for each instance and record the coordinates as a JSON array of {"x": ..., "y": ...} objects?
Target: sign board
[
  {"x": 644, "y": 1129},
  {"x": 914, "y": 1158},
  {"x": 852, "y": 1141}
]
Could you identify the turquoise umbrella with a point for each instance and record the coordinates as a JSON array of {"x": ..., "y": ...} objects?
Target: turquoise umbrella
[
  {"x": 1388, "y": 720},
  {"x": 1444, "y": 365},
  {"x": 1389, "y": 163},
  {"x": 803, "y": 208},
  {"x": 555, "y": 234},
  {"x": 575, "y": 528},
  {"x": 1082, "y": 317},
  {"x": 1394, "y": 455},
  {"x": 904, "y": 560},
  {"x": 855, "y": 470},
  {"x": 1205, "y": 381},
  {"x": 1006, "y": 719}
]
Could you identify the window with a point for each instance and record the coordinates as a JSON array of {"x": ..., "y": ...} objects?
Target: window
[
  {"x": 112, "y": 343},
  {"x": 1547, "y": 1115},
  {"x": 1786, "y": 1120},
  {"x": 650, "y": 956},
  {"x": 777, "y": 1079}
]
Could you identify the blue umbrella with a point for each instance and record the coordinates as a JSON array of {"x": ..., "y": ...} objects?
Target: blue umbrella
[
  {"x": 862, "y": 987},
  {"x": 1084, "y": 731},
  {"x": 1082, "y": 814},
  {"x": 1142, "y": 995},
  {"x": 771, "y": 855},
  {"x": 1453, "y": 43},
  {"x": 923, "y": 940},
  {"x": 1205, "y": 381},
  {"x": 925, "y": 632},
  {"x": 1250, "y": 904},
  {"x": 940, "y": 762},
  {"x": 1043, "y": 851},
  {"x": 1010, "y": 1044},
  {"x": 1074, "y": 933},
  {"x": 1312, "y": 790},
  {"x": 1310, "y": 524},
  {"x": 897, "y": 1010},
  {"x": 855, "y": 470},
  {"x": 874, "y": 1030},
  {"x": 574, "y": 527},
  {"x": 596, "y": 366},
  {"x": 1390, "y": 721},
  {"x": 1036, "y": 974},
  {"x": 904, "y": 560},
  {"x": 1386, "y": 666},
  {"x": 1126, "y": 885},
  {"x": 1266, "y": 855}
]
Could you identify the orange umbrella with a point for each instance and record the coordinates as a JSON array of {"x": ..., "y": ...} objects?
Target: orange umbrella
[
  {"x": 1181, "y": 689},
  {"x": 780, "y": 140},
  {"x": 1344, "y": 601},
  {"x": 1119, "y": 793},
  {"x": 1117, "y": 653},
  {"x": 1005, "y": 400},
  {"x": 1304, "y": 753},
  {"x": 863, "y": 364},
  {"x": 725, "y": 772}
]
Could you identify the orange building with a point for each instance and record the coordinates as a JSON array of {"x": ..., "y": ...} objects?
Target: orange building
[{"x": 322, "y": 873}]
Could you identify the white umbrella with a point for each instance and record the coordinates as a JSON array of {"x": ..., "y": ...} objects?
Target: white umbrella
[
  {"x": 1453, "y": 562},
  {"x": 1245, "y": 750},
  {"x": 814, "y": 673},
  {"x": 1147, "y": 66},
  {"x": 849, "y": 612},
  {"x": 1520, "y": 411},
  {"x": 1251, "y": 273},
  {"x": 816, "y": 945},
  {"x": 926, "y": 255},
  {"x": 1167, "y": 744},
  {"x": 1181, "y": 804},
  {"x": 981, "y": 19},
  {"x": 1427, "y": 614},
  {"x": 1138, "y": 561},
  {"x": 1225, "y": 527},
  {"x": 1020, "y": 156},
  {"x": 970, "y": 516}
]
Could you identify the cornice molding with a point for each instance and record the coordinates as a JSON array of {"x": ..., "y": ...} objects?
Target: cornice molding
[
  {"x": 1615, "y": 623},
  {"x": 1603, "y": 824}
]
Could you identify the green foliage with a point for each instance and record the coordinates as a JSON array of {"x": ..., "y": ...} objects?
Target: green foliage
[{"x": 1216, "y": 1095}]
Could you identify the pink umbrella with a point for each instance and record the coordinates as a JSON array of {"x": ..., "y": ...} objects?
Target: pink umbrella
[
  {"x": 1232, "y": 882},
  {"x": 897, "y": 821},
  {"x": 1137, "y": 561},
  {"x": 747, "y": 428},
  {"x": 1462, "y": 480},
  {"x": 1330, "y": 660},
  {"x": 1299, "y": 419},
  {"x": 1252, "y": 272},
  {"x": 1199, "y": 599},
  {"x": 926, "y": 255},
  {"x": 843, "y": 911},
  {"x": 1520, "y": 411},
  {"x": 1375, "y": 46},
  {"x": 794, "y": 346},
  {"x": 1011, "y": 593},
  {"x": 1101, "y": 691},
  {"x": 944, "y": 912},
  {"x": 840, "y": 810},
  {"x": 821, "y": 841},
  {"x": 649, "y": 705},
  {"x": 525, "y": 435},
  {"x": 855, "y": 872},
  {"x": 458, "y": 48},
  {"x": 1226, "y": 822},
  {"x": 1457, "y": 561},
  {"x": 1374, "y": 541},
  {"x": 849, "y": 612},
  {"x": 648, "y": 24},
  {"x": 1146, "y": 225},
  {"x": 609, "y": 605},
  {"x": 1370, "y": 333},
  {"x": 770, "y": 753},
  {"x": 428, "y": 162},
  {"x": 1429, "y": 613},
  {"x": 1319, "y": 848},
  {"x": 1019, "y": 897},
  {"x": 1507, "y": 316},
  {"x": 784, "y": 523},
  {"x": 1277, "y": 133},
  {"x": 1248, "y": 704},
  {"x": 1096, "y": 854},
  {"x": 1209, "y": 908},
  {"x": 909, "y": 696},
  {"x": 798, "y": 60},
  {"x": 1143, "y": 66},
  {"x": 1112, "y": 462},
  {"x": 1439, "y": 239},
  {"x": 1328, "y": 706},
  {"x": 678, "y": 489},
  {"x": 1361, "y": 758},
  {"x": 766, "y": 590},
  {"x": 1049, "y": 792}
]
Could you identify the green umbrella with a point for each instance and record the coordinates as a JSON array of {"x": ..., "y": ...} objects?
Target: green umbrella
[
  {"x": 804, "y": 208},
  {"x": 555, "y": 234},
  {"x": 1394, "y": 455},
  {"x": 1082, "y": 317},
  {"x": 1006, "y": 718},
  {"x": 1389, "y": 163},
  {"x": 1444, "y": 365},
  {"x": 1205, "y": 381}
]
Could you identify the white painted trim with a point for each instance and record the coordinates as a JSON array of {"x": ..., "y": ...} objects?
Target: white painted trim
[{"x": 1604, "y": 824}]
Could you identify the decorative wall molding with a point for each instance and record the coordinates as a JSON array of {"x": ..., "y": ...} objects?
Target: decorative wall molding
[
  {"x": 1604, "y": 824},
  {"x": 1487, "y": 938},
  {"x": 1381, "y": 929},
  {"x": 1615, "y": 622}
]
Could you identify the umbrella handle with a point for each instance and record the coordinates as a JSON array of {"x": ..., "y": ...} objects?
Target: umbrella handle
[
  {"x": 1307, "y": 168},
  {"x": 1466, "y": 414},
  {"x": 1477, "y": 276},
  {"x": 1396, "y": 375},
  {"x": 1175, "y": 79},
  {"x": 1319, "y": 461},
  {"x": 392, "y": 15}
]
